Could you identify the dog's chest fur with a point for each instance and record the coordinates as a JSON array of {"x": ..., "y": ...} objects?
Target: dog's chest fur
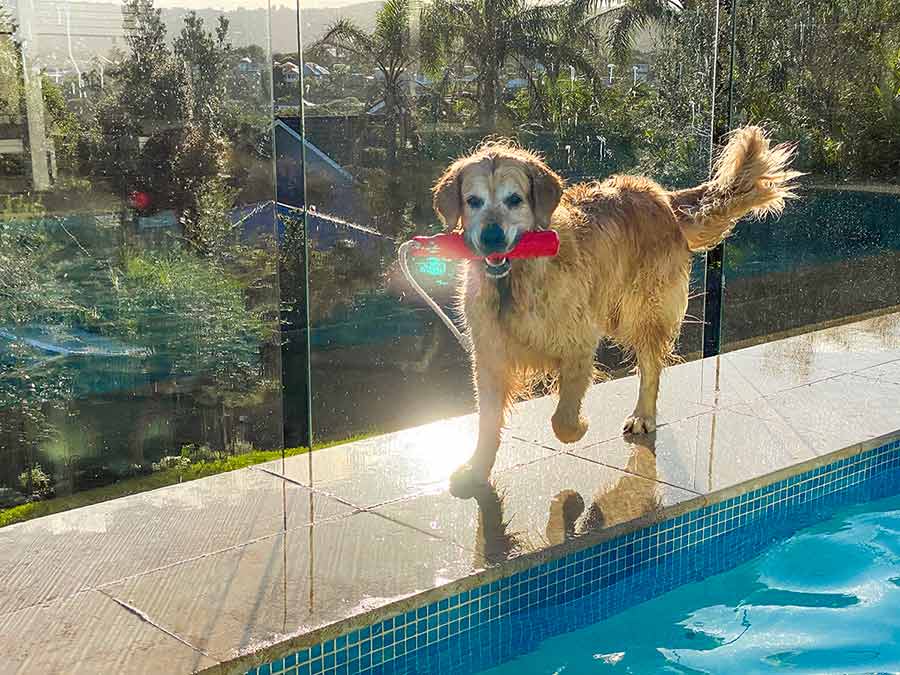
[{"x": 532, "y": 319}]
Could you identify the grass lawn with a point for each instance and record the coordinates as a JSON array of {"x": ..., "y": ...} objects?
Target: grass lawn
[{"x": 130, "y": 486}]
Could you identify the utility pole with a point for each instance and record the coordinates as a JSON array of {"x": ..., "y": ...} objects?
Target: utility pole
[{"x": 34, "y": 98}]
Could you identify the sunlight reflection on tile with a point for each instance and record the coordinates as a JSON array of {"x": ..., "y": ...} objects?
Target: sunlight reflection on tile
[{"x": 402, "y": 464}]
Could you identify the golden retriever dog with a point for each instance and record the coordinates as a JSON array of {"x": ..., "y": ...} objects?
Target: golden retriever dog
[{"x": 621, "y": 272}]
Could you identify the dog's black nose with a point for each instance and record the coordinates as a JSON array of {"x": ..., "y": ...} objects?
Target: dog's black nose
[{"x": 493, "y": 240}]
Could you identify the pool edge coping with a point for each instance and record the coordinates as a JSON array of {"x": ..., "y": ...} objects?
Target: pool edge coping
[{"x": 240, "y": 664}]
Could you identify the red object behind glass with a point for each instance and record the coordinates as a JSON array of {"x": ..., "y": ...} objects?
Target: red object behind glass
[{"x": 139, "y": 200}]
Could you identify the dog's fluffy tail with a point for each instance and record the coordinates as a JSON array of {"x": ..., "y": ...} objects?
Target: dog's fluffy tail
[{"x": 750, "y": 177}]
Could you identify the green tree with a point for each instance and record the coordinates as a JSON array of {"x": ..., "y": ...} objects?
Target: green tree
[
  {"x": 206, "y": 58},
  {"x": 171, "y": 144},
  {"x": 63, "y": 125},
  {"x": 823, "y": 72},
  {"x": 152, "y": 81},
  {"x": 10, "y": 71}
]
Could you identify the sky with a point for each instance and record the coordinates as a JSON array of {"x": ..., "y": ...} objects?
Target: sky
[{"x": 227, "y": 5}]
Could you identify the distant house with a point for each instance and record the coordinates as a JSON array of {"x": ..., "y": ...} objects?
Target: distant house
[
  {"x": 290, "y": 73},
  {"x": 247, "y": 67},
  {"x": 640, "y": 72},
  {"x": 418, "y": 86},
  {"x": 56, "y": 75}
]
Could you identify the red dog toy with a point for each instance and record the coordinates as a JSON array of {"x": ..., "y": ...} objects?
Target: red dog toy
[{"x": 541, "y": 244}]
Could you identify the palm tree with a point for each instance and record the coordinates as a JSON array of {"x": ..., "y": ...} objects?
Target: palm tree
[
  {"x": 390, "y": 48},
  {"x": 490, "y": 34},
  {"x": 560, "y": 36},
  {"x": 483, "y": 32},
  {"x": 626, "y": 19}
]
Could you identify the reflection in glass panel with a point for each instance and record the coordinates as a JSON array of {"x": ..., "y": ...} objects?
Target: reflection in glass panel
[
  {"x": 138, "y": 278},
  {"x": 393, "y": 93},
  {"x": 825, "y": 75}
]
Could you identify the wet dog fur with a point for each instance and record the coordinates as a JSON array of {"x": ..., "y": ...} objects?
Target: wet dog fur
[{"x": 621, "y": 273}]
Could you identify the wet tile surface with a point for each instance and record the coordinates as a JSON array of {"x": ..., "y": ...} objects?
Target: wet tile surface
[
  {"x": 57, "y": 555},
  {"x": 833, "y": 414},
  {"x": 534, "y": 506},
  {"x": 90, "y": 633},
  {"x": 888, "y": 373},
  {"x": 607, "y": 405},
  {"x": 395, "y": 466},
  {"x": 707, "y": 452},
  {"x": 293, "y": 582}
]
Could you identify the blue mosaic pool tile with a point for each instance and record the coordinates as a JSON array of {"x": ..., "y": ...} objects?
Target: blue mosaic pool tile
[{"x": 486, "y": 625}]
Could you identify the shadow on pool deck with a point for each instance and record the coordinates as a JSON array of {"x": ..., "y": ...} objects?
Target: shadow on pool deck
[{"x": 223, "y": 572}]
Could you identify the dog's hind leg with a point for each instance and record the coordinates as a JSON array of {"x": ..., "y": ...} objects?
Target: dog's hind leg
[
  {"x": 643, "y": 419},
  {"x": 575, "y": 377},
  {"x": 653, "y": 349},
  {"x": 652, "y": 330}
]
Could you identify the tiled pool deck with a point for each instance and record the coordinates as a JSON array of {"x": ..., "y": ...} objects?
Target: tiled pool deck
[{"x": 227, "y": 572}]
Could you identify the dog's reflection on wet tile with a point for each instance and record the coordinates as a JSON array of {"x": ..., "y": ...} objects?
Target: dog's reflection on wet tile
[
  {"x": 635, "y": 495},
  {"x": 631, "y": 497},
  {"x": 495, "y": 541}
]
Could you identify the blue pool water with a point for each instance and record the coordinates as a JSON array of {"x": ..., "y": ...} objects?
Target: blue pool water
[{"x": 825, "y": 600}]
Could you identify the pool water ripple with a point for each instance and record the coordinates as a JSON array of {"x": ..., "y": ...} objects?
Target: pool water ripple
[{"x": 825, "y": 600}]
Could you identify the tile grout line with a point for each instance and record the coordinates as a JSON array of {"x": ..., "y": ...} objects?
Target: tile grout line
[
  {"x": 633, "y": 473},
  {"x": 316, "y": 490},
  {"x": 143, "y": 616},
  {"x": 418, "y": 529},
  {"x": 801, "y": 428},
  {"x": 370, "y": 509}
]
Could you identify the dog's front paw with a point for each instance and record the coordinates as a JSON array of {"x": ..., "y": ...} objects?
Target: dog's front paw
[
  {"x": 637, "y": 424},
  {"x": 568, "y": 430},
  {"x": 468, "y": 479}
]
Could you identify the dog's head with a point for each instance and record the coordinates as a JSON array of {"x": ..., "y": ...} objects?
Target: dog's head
[{"x": 496, "y": 194}]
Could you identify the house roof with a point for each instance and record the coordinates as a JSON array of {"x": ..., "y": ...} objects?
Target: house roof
[
  {"x": 291, "y": 125},
  {"x": 314, "y": 69}
]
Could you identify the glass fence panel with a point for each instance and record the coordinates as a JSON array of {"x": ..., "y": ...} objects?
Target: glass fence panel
[
  {"x": 825, "y": 76},
  {"x": 139, "y": 299},
  {"x": 393, "y": 94}
]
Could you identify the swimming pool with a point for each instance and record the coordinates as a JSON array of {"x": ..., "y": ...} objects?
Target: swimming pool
[
  {"x": 824, "y": 600},
  {"x": 799, "y": 574}
]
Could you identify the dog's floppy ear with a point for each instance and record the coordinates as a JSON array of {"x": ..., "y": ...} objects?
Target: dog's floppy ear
[
  {"x": 447, "y": 195},
  {"x": 546, "y": 191}
]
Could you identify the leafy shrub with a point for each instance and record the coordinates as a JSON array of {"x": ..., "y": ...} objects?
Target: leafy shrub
[
  {"x": 200, "y": 453},
  {"x": 171, "y": 462},
  {"x": 41, "y": 485}
]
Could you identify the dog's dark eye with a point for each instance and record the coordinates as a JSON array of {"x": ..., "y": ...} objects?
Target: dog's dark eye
[
  {"x": 513, "y": 201},
  {"x": 475, "y": 202}
]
